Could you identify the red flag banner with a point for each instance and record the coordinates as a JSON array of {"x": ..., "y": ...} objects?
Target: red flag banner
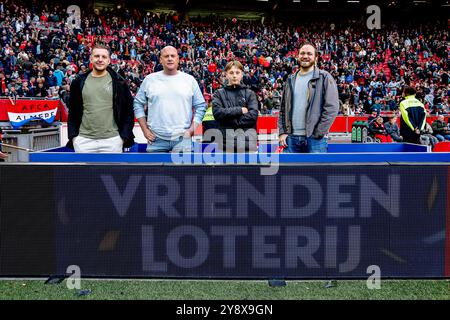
[{"x": 20, "y": 112}]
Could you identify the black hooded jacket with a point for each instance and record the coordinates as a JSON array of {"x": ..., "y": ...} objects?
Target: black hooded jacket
[
  {"x": 227, "y": 110},
  {"x": 227, "y": 107},
  {"x": 122, "y": 108}
]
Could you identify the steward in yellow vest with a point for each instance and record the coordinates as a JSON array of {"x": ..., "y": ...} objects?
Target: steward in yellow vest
[{"x": 413, "y": 119}]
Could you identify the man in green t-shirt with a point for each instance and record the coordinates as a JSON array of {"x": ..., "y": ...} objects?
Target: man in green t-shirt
[{"x": 101, "y": 116}]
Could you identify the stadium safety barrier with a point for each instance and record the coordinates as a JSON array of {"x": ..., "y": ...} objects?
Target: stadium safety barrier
[{"x": 33, "y": 139}]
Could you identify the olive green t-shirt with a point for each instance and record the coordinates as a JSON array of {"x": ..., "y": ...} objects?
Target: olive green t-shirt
[{"x": 98, "y": 119}]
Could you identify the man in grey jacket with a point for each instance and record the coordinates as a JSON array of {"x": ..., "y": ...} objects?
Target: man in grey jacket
[{"x": 309, "y": 105}]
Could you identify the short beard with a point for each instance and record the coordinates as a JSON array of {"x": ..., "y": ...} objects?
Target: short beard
[{"x": 307, "y": 67}]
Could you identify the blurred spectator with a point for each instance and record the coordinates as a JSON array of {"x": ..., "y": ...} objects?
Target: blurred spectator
[
  {"x": 427, "y": 138},
  {"x": 59, "y": 75},
  {"x": 41, "y": 90},
  {"x": 346, "y": 110},
  {"x": 392, "y": 129},
  {"x": 379, "y": 131},
  {"x": 376, "y": 106},
  {"x": 440, "y": 129},
  {"x": 366, "y": 64},
  {"x": 270, "y": 103},
  {"x": 372, "y": 117}
]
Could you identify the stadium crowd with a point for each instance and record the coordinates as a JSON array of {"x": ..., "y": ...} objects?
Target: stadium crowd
[{"x": 40, "y": 55}]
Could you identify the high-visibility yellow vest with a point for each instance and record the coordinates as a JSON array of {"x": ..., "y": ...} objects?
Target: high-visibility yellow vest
[
  {"x": 208, "y": 115},
  {"x": 411, "y": 102}
]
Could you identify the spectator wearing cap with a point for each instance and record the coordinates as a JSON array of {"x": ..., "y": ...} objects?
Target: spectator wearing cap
[{"x": 376, "y": 106}]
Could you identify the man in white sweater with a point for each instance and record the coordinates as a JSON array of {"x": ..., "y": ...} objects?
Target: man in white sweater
[{"x": 170, "y": 96}]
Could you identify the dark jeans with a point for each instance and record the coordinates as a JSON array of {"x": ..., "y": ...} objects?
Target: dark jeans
[{"x": 302, "y": 144}]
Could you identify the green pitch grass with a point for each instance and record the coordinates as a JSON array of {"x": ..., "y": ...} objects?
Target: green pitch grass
[{"x": 223, "y": 290}]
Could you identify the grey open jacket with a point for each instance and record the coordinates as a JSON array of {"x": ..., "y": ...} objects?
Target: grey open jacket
[{"x": 323, "y": 104}]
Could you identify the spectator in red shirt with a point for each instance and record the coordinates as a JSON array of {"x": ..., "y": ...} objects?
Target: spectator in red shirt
[{"x": 379, "y": 131}]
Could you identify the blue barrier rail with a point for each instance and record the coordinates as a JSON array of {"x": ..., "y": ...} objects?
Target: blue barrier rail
[{"x": 338, "y": 153}]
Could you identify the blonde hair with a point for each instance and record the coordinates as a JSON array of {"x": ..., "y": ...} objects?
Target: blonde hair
[{"x": 232, "y": 64}]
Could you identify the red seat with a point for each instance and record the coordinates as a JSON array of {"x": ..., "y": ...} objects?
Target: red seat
[{"x": 443, "y": 146}]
